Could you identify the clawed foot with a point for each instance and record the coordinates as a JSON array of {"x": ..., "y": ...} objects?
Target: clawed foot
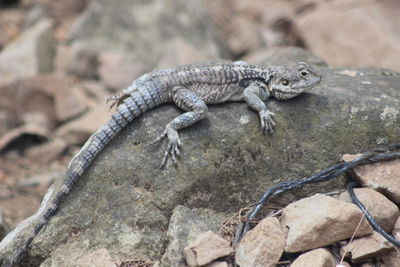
[
  {"x": 173, "y": 145},
  {"x": 267, "y": 123}
]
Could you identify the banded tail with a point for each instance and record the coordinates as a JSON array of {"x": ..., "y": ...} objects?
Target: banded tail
[{"x": 143, "y": 96}]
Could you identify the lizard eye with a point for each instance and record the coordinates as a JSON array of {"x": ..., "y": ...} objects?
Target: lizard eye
[
  {"x": 285, "y": 82},
  {"x": 304, "y": 73}
]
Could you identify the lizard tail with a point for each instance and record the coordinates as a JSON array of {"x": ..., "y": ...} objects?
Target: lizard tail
[{"x": 147, "y": 96}]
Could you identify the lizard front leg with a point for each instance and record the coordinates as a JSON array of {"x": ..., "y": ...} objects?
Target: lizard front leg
[
  {"x": 254, "y": 95},
  {"x": 196, "y": 110}
]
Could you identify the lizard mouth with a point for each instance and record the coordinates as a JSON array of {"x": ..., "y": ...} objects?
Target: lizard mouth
[{"x": 280, "y": 95}]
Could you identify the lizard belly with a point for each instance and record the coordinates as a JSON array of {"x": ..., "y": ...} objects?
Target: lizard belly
[{"x": 218, "y": 93}]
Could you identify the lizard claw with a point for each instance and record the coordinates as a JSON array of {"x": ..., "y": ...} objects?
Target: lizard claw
[
  {"x": 116, "y": 100},
  {"x": 267, "y": 123},
  {"x": 160, "y": 137},
  {"x": 173, "y": 146}
]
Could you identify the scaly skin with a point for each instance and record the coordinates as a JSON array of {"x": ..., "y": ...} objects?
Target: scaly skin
[{"x": 191, "y": 88}]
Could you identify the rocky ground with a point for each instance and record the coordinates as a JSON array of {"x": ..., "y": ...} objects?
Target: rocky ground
[{"x": 60, "y": 60}]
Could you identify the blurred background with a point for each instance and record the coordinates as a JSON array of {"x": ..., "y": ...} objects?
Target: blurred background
[{"x": 60, "y": 60}]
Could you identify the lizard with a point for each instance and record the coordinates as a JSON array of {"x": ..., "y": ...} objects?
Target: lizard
[{"x": 191, "y": 88}]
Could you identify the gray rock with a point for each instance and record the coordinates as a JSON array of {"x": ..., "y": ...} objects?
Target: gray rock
[
  {"x": 124, "y": 201},
  {"x": 185, "y": 225}
]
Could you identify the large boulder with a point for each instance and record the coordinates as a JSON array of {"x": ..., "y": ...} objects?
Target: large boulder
[{"x": 124, "y": 201}]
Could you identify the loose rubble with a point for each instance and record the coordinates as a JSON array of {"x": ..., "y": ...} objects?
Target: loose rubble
[{"x": 320, "y": 226}]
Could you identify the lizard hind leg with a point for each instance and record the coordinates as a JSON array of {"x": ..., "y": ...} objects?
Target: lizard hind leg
[
  {"x": 116, "y": 100},
  {"x": 195, "y": 109}
]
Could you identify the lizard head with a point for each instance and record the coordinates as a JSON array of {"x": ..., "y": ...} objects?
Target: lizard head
[{"x": 289, "y": 81}]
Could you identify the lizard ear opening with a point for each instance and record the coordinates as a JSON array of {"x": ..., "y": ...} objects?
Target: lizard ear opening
[{"x": 284, "y": 82}]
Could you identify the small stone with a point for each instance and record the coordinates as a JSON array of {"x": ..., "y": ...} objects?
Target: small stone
[
  {"x": 396, "y": 230},
  {"x": 366, "y": 247},
  {"x": 381, "y": 209},
  {"x": 391, "y": 258},
  {"x": 31, "y": 53},
  {"x": 98, "y": 258},
  {"x": 95, "y": 90},
  {"x": 44, "y": 179},
  {"x": 217, "y": 264},
  {"x": 47, "y": 152},
  {"x": 62, "y": 58},
  {"x": 206, "y": 248},
  {"x": 15, "y": 135},
  {"x": 263, "y": 245},
  {"x": 317, "y": 258},
  {"x": 381, "y": 176},
  {"x": 320, "y": 220},
  {"x": 69, "y": 103},
  {"x": 184, "y": 226},
  {"x": 5, "y": 121},
  {"x": 62, "y": 9}
]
